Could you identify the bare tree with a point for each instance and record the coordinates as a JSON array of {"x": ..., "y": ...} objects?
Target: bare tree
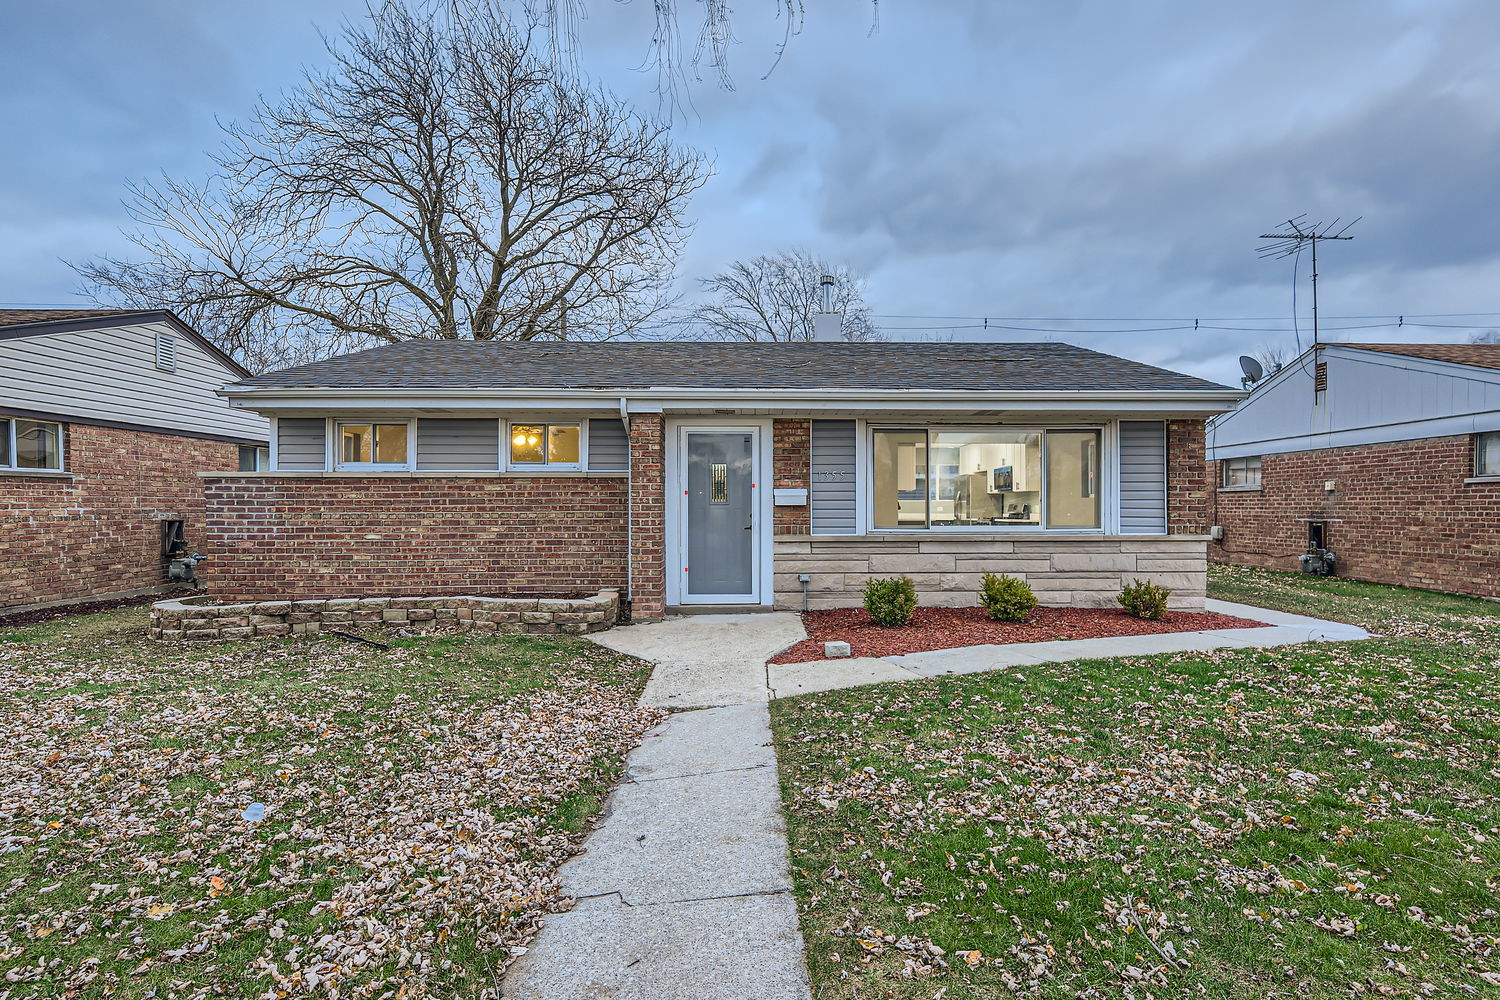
[
  {"x": 775, "y": 297},
  {"x": 676, "y": 54},
  {"x": 1271, "y": 356},
  {"x": 1487, "y": 337},
  {"x": 440, "y": 180}
]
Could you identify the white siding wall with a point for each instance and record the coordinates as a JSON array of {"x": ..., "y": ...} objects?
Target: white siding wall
[
  {"x": 1372, "y": 397},
  {"x": 111, "y": 375}
]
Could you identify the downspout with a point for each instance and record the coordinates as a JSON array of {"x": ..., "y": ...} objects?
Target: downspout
[{"x": 629, "y": 505}]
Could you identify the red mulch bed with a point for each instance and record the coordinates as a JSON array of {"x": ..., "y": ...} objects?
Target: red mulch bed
[{"x": 948, "y": 628}]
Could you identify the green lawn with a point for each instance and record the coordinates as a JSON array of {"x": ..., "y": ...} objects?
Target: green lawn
[
  {"x": 1310, "y": 821},
  {"x": 418, "y": 801}
]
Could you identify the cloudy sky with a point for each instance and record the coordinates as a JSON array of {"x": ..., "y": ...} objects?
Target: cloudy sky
[{"x": 1034, "y": 163}]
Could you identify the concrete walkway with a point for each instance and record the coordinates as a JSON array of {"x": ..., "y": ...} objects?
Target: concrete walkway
[
  {"x": 1280, "y": 629},
  {"x": 684, "y": 889}
]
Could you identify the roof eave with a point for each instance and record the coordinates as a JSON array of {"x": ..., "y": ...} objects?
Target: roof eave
[{"x": 1206, "y": 399}]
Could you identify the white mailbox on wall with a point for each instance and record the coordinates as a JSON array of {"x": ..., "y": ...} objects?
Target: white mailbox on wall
[{"x": 789, "y": 497}]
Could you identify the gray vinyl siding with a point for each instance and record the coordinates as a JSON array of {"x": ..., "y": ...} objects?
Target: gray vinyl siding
[
  {"x": 110, "y": 375},
  {"x": 1372, "y": 397},
  {"x": 609, "y": 447},
  {"x": 300, "y": 443},
  {"x": 834, "y": 491},
  {"x": 1143, "y": 477},
  {"x": 458, "y": 444}
]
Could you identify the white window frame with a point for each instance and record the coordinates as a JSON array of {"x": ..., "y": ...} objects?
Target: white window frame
[
  {"x": 336, "y": 445},
  {"x": 581, "y": 423},
  {"x": 1479, "y": 440},
  {"x": 262, "y": 457},
  {"x": 1108, "y": 471},
  {"x": 9, "y": 465},
  {"x": 1241, "y": 462}
]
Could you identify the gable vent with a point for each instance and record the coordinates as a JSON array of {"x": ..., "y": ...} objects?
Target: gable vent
[
  {"x": 166, "y": 352},
  {"x": 1320, "y": 377}
]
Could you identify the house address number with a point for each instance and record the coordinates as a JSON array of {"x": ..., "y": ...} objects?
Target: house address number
[{"x": 833, "y": 477}]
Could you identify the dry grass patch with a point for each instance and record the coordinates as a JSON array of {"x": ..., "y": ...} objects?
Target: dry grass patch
[{"x": 417, "y": 802}]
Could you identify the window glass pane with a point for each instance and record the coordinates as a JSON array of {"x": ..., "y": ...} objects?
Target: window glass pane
[
  {"x": 1073, "y": 479},
  {"x": 983, "y": 478},
  {"x": 562, "y": 443},
  {"x": 247, "y": 458},
  {"x": 390, "y": 444},
  {"x": 900, "y": 479},
  {"x": 1487, "y": 454},
  {"x": 38, "y": 445},
  {"x": 5, "y": 443},
  {"x": 1242, "y": 471},
  {"x": 528, "y": 444},
  {"x": 356, "y": 442}
]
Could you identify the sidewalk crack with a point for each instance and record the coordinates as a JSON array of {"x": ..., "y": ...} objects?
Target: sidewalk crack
[
  {"x": 695, "y": 774},
  {"x": 620, "y": 897}
]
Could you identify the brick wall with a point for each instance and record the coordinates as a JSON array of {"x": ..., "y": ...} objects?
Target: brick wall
[
  {"x": 276, "y": 537},
  {"x": 791, "y": 458},
  {"x": 98, "y": 534},
  {"x": 1399, "y": 513},
  {"x": 1187, "y": 481},
  {"x": 648, "y": 504}
]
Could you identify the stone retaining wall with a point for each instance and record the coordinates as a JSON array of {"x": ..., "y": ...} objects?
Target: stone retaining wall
[
  {"x": 192, "y": 618},
  {"x": 1083, "y": 571}
]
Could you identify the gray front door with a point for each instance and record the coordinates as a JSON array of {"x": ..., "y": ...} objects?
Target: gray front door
[{"x": 719, "y": 517}]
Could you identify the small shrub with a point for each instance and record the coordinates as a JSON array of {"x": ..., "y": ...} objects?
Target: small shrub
[
  {"x": 1006, "y": 598},
  {"x": 891, "y": 600},
  {"x": 1144, "y": 600}
]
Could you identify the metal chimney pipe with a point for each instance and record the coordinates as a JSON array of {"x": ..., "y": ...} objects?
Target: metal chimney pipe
[{"x": 826, "y": 284}]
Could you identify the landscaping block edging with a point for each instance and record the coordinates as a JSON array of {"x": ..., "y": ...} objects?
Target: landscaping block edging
[{"x": 193, "y": 618}]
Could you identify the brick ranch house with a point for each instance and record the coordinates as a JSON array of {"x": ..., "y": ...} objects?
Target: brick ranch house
[
  {"x": 106, "y": 419},
  {"x": 1390, "y": 451},
  {"x": 718, "y": 475}
]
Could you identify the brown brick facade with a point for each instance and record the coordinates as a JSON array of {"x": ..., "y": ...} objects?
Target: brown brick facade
[
  {"x": 280, "y": 537},
  {"x": 648, "y": 540},
  {"x": 791, "y": 458},
  {"x": 1398, "y": 513},
  {"x": 1187, "y": 481},
  {"x": 99, "y": 533}
]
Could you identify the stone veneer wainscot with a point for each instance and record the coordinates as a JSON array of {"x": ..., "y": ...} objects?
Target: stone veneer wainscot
[
  {"x": 195, "y": 618},
  {"x": 1084, "y": 571}
]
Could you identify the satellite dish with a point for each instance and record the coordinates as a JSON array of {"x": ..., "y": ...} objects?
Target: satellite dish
[{"x": 1252, "y": 369}]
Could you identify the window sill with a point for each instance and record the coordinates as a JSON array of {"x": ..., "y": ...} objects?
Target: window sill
[
  {"x": 1241, "y": 489},
  {"x": 1479, "y": 480},
  {"x": 1035, "y": 534},
  {"x": 36, "y": 473}
]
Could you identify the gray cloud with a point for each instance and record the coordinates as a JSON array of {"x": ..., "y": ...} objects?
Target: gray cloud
[{"x": 979, "y": 157}]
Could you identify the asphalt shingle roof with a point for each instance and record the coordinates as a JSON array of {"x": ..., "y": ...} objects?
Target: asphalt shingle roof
[
  {"x": 467, "y": 364},
  {"x": 22, "y": 317},
  {"x": 1478, "y": 355}
]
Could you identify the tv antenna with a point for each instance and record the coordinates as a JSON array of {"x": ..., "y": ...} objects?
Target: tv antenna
[{"x": 1304, "y": 233}]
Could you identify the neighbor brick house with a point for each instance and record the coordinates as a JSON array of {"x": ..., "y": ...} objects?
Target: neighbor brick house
[
  {"x": 718, "y": 475},
  {"x": 1390, "y": 451},
  {"x": 106, "y": 419}
]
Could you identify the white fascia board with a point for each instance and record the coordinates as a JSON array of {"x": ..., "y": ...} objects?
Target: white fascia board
[{"x": 1173, "y": 401}]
